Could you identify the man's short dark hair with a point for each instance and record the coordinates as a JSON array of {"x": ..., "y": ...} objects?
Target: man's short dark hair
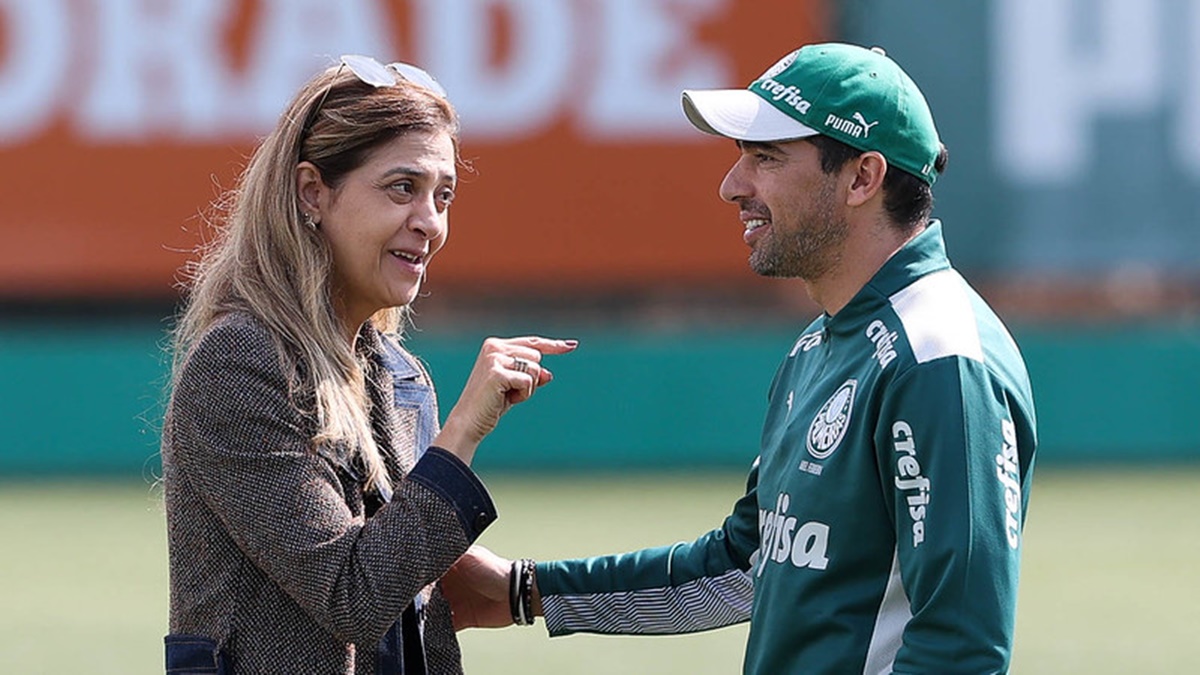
[{"x": 907, "y": 199}]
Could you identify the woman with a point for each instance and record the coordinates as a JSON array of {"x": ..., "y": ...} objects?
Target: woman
[{"x": 312, "y": 502}]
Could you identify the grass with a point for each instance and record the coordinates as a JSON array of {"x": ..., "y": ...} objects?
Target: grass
[
  {"x": 1111, "y": 573},
  {"x": 1109, "y": 579}
]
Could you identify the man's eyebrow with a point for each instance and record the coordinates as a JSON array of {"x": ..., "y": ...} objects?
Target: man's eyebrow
[{"x": 753, "y": 146}]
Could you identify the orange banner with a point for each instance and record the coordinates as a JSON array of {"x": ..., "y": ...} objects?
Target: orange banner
[{"x": 121, "y": 122}]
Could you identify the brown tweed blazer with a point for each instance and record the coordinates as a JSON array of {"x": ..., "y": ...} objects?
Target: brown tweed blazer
[{"x": 272, "y": 555}]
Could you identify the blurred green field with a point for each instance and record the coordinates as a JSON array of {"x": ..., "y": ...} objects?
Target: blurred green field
[{"x": 1110, "y": 575}]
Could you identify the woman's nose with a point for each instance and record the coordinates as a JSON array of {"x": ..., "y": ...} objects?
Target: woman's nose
[{"x": 426, "y": 219}]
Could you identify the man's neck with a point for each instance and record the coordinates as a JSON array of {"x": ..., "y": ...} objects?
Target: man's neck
[{"x": 863, "y": 253}]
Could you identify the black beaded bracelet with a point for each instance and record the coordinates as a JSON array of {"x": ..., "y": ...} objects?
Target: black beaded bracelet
[
  {"x": 520, "y": 591},
  {"x": 525, "y": 592}
]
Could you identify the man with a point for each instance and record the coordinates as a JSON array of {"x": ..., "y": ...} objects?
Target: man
[{"x": 881, "y": 526}]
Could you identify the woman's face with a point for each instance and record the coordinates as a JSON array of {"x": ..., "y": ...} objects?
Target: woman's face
[{"x": 386, "y": 220}]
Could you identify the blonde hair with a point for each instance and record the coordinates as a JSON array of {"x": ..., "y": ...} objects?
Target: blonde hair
[{"x": 264, "y": 259}]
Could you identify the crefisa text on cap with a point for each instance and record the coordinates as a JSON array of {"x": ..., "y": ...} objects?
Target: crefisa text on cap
[{"x": 788, "y": 93}]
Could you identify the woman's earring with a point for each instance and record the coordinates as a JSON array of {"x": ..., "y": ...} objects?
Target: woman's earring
[{"x": 311, "y": 222}]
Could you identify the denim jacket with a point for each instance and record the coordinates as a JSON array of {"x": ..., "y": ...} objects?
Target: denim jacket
[{"x": 401, "y": 651}]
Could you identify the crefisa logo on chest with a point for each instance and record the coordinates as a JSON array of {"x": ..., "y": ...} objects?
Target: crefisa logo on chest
[{"x": 828, "y": 429}]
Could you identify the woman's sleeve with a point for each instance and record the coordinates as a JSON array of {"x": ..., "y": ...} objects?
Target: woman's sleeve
[{"x": 244, "y": 448}]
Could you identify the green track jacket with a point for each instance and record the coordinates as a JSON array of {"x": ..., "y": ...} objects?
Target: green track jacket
[{"x": 881, "y": 526}]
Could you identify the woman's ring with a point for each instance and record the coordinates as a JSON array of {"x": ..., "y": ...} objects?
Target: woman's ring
[{"x": 521, "y": 365}]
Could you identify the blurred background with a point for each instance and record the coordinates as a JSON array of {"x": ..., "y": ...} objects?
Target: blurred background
[{"x": 1070, "y": 201}]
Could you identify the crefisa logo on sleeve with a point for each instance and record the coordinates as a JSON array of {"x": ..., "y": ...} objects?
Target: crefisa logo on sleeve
[
  {"x": 828, "y": 429},
  {"x": 1009, "y": 475}
]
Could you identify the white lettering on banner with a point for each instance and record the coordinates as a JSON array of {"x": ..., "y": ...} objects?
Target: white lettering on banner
[
  {"x": 1187, "y": 135},
  {"x": 512, "y": 98},
  {"x": 295, "y": 38},
  {"x": 1054, "y": 81},
  {"x": 37, "y": 45},
  {"x": 157, "y": 66},
  {"x": 637, "y": 89},
  {"x": 162, "y": 68}
]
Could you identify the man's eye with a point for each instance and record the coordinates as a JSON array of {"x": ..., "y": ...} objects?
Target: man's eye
[
  {"x": 402, "y": 187},
  {"x": 446, "y": 196}
]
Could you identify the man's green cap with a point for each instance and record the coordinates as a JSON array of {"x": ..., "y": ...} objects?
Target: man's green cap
[{"x": 855, "y": 95}]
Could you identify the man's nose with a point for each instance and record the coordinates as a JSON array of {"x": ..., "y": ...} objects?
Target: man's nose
[{"x": 734, "y": 186}]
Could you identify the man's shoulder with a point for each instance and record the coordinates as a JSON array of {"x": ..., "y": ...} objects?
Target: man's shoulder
[{"x": 941, "y": 316}]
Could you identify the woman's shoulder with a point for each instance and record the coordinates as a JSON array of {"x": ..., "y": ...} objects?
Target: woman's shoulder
[
  {"x": 235, "y": 336},
  {"x": 232, "y": 363}
]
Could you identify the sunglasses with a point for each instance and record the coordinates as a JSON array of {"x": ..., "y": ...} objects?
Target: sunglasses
[
  {"x": 369, "y": 71},
  {"x": 376, "y": 74}
]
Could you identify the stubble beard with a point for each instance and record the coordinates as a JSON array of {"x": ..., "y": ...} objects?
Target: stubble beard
[{"x": 808, "y": 251}]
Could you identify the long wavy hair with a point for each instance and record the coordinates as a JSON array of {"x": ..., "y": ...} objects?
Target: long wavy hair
[{"x": 264, "y": 259}]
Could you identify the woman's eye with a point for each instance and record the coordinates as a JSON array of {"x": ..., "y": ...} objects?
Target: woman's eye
[
  {"x": 446, "y": 196},
  {"x": 402, "y": 188}
]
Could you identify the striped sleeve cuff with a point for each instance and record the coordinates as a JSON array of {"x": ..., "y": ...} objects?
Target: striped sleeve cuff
[{"x": 698, "y": 605}]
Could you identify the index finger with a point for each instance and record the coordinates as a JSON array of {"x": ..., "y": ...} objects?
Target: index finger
[{"x": 545, "y": 345}]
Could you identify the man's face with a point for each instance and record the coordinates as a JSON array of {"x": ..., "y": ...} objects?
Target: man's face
[{"x": 794, "y": 224}]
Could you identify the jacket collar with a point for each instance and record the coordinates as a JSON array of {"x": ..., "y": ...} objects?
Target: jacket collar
[
  {"x": 373, "y": 344},
  {"x": 922, "y": 255}
]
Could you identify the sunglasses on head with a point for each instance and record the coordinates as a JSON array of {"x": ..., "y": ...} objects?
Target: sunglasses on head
[
  {"x": 369, "y": 71},
  {"x": 376, "y": 74}
]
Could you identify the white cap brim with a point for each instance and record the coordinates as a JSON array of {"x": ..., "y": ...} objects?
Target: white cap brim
[{"x": 740, "y": 114}]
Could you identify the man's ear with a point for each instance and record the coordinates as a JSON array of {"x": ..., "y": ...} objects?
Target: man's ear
[
  {"x": 310, "y": 189},
  {"x": 867, "y": 181}
]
